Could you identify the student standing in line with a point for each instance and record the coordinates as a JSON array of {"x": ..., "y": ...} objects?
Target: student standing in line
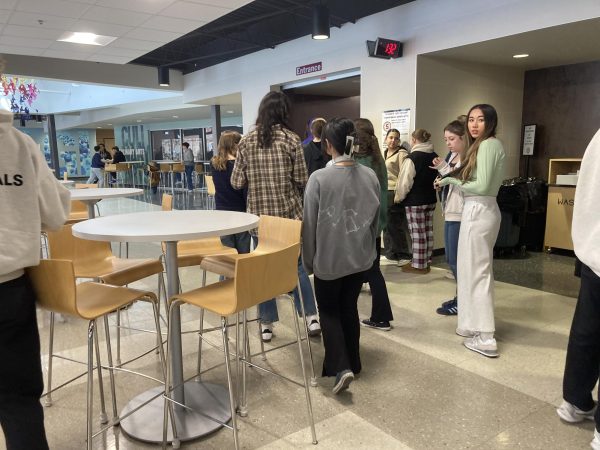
[
  {"x": 479, "y": 177},
  {"x": 583, "y": 353},
  {"x": 396, "y": 238},
  {"x": 270, "y": 163},
  {"x": 226, "y": 197},
  {"x": 188, "y": 164},
  {"x": 315, "y": 156},
  {"x": 32, "y": 199},
  {"x": 368, "y": 153},
  {"x": 341, "y": 213},
  {"x": 452, "y": 202},
  {"x": 415, "y": 192}
]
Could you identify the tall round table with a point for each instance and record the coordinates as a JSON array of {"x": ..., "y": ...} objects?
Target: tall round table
[
  {"x": 93, "y": 195},
  {"x": 170, "y": 227}
]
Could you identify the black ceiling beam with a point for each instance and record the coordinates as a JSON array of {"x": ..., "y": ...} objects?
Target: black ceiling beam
[
  {"x": 333, "y": 16},
  {"x": 212, "y": 55},
  {"x": 309, "y": 17},
  {"x": 229, "y": 38}
]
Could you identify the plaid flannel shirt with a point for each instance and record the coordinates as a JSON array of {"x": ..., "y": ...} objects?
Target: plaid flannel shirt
[{"x": 275, "y": 176}]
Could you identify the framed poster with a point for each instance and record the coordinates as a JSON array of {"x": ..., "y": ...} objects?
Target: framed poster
[
  {"x": 398, "y": 119},
  {"x": 528, "y": 140}
]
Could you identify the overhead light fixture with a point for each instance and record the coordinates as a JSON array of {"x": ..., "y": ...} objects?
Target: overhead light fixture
[
  {"x": 109, "y": 124},
  {"x": 98, "y": 127},
  {"x": 521, "y": 55},
  {"x": 138, "y": 121},
  {"x": 163, "y": 76},
  {"x": 86, "y": 38},
  {"x": 229, "y": 112},
  {"x": 175, "y": 117},
  {"x": 320, "y": 22}
]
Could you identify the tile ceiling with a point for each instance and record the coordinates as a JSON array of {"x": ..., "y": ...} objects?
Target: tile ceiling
[{"x": 32, "y": 27}]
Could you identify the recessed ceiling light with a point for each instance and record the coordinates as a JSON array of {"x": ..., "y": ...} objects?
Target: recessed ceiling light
[
  {"x": 229, "y": 112},
  {"x": 74, "y": 85},
  {"x": 138, "y": 121},
  {"x": 98, "y": 127},
  {"x": 86, "y": 38},
  {"x": 175, "y": 117},
  {"x": 521, "y": 55},
  {"x": 109, "y": 124}
]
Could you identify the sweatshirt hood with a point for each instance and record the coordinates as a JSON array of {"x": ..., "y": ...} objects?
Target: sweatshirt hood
[{"x": 425, "y": 147}]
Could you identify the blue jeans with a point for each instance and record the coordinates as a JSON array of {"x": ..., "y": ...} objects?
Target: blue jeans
[
  {"x": 188, "y": 176},
  {"x": 267, "y": 311},
  {"x": 451, "y": 232},
  {"x": 239, "y": 241}
]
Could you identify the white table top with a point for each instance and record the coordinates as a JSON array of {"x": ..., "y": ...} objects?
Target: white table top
[
  {"x": 135, "y": 162},
  {"x": 156, "y": 226},
  {"x": 66, "y": 182},
  {"x": 166, "y": 161},
  {"x": 100, "y": 193}
]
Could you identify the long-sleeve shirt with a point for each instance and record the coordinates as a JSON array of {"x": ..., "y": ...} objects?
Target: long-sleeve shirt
[
  {"x": 341, "y": 211},
  {"x": 31, "y": 198},
  {"x": 226, "y": 197},
  {"x": 97, "y": 162},
  {"x": 586, "y": 213},
  {"x": 452, "y": 199},
  {"x": 393, "y": 162},
  {"x": 488, "y": 174},
  {"x": 275, "y": 176},
  {"x": 381, "y": 172}
]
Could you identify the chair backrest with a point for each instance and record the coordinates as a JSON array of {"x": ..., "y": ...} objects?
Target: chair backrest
[
  {"x": 210, "y": 185},
  {"x": 199, "y": 168},
  {"x": 63, "y": 245},
  {"x": 261, "y": 276},
  {"x": 54, "y": 283},
  {"x": 178, "y": 167},
  {"x": 164, "y": 167},
  {"x": 277, "y": 232},
  {"x": 122, "y": 167},
  {"x": 167, "y": 202},
  {"x": 85, "y": 185},
  {"x": 110, "y": 167},
  {"x": 78, "y": 206}
]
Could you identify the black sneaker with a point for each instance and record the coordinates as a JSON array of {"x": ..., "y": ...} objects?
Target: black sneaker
[
  {"x": 383, "y": 326},
  {"x": 449, "y": 308},
  {"x": 342, "y": 381}
]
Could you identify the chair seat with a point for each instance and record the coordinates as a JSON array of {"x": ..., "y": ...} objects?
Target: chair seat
[
  {"x": 119, "y": 271},
  {"x": 191, "y": 253},
  {"x": 96, "y": 299},
  {"x": 219, "y": 264},
  {"x": 218, "y": 298}
]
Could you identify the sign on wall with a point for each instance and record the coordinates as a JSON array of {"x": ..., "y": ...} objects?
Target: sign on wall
[
  {"x": 398, "y": 119},
  {"x": 309, "y": 68},
  {"x": 528, "y": 140}
]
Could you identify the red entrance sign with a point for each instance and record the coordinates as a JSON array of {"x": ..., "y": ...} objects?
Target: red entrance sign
[{"x": 309, "y": 68}]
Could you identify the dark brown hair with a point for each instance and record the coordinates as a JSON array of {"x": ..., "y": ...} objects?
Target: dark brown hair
[
  {"x": 274, "y": 109},
  {"x": 367, "y": 142}
]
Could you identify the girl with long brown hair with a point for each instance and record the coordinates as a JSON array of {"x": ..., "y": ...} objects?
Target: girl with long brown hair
[{"x": 479, "y": 178}]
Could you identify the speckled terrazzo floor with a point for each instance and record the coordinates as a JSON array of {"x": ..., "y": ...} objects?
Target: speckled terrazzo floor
[{"x": 419, "y": 389}]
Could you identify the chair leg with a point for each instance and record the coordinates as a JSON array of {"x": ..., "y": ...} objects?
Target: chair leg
[
  {"x": 103, "y": 415},
  {"x": 313, "y": 378},
  {"x": 168, "y": 406},
  {"x": 90, "y": 382},
  {"x": 200, "y": 335},
  {"x": 111, "y": 374},
  {"x": 311, "y": 419},
  {"x": 225, "y": 334},
  {"x": 48, "y": 400},
  {"x": 244, "y": 400},
  {"x": 118, "y": 337}
]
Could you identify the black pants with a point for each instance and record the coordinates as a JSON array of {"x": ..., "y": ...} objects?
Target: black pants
[
  {"x": 338, "y": 312},
  {"x": 21, "y": 382},
  {"x": 381, "y": 311},
  {"x": 583, "y": 353},
  {"x": 396, "y": 236}
]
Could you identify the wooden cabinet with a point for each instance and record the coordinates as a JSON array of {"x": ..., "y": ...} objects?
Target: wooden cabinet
[{"x": 561, "y": 199}]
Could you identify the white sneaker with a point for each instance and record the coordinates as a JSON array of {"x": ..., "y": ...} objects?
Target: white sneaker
[
  {"x": 572, "y": 414},
  {"x": 449, "y": 275},
  {"x": 486, "y": 347},
  {"x": 595, "y": 444},
  {"x": 266, "y": 331},
  {"x": 403, "y": 262},
  {"x": 314, "y": 328},
  {"x": 465, "y": 333}
]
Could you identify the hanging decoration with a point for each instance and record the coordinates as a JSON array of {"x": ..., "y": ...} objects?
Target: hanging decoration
[{"x": 21, "y": 93}]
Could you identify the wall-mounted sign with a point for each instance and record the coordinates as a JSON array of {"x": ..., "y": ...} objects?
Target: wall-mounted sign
[
  {"x": 398, "y": 119},
  {"x": 309, "y": 68},
  {"x": 528, "y": 140}
]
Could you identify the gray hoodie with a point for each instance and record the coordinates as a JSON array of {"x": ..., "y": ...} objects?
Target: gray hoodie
[
  {"x": 30, "y": 198},
  {"x": 339, "y": 228}
]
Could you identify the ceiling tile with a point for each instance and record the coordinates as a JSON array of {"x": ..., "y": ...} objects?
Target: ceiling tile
[
  {"x": 124, "y": 52},
  {"x": 50, "y": 21},
  {"x": 62, "y": 8},
  {"x": 135, "y": 44},
  {"x": 13, "y": 50},
  {"x": 148, "y": 34},
  {"x": 9, "y": 4},
  {"x": 103, "y": 28},
  {"x": 109, "y": 59},
  {"x": 172, "y": 24},
  {"x": 4, "y": 15},
  {"x": 39, "y": 32},
  {"x": 71, "y": 47},
  {"x": 186, "y": 10},
  {"x": 147, "y": 6},
  {"x": 229, "y": 4},
  {"x": 25, "y": 42},
  {"x": 119, "y": 17},
  {"x": 64, "y": 54}
]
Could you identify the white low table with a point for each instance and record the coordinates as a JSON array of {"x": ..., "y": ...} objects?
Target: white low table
[
  {"x": 93, "y": 195},
  {"x": 171, "y": 227},
  {"x": 67, "y": 183}
]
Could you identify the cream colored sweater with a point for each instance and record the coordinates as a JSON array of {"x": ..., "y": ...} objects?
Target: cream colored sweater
[
  {"x": 393, "y": 162},
  {"x": 30, "y": 198}
]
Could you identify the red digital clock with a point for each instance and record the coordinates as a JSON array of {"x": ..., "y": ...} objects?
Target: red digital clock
[{"x": 385, "y": 48}]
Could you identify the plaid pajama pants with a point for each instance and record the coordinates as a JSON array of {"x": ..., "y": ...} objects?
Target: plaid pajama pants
[{"x": 420, "y": 224}]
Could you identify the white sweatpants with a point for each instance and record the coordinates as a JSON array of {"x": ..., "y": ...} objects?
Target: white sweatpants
[{"x": 478, "y": 232}]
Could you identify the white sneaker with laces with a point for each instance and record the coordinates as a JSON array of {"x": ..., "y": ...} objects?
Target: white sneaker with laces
[
  {"x": 572, "y": 414},
  {"x": 266, "y": 331},
  {"x": 487, "y": 347},
  {"x": 595, "y": 444}
]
